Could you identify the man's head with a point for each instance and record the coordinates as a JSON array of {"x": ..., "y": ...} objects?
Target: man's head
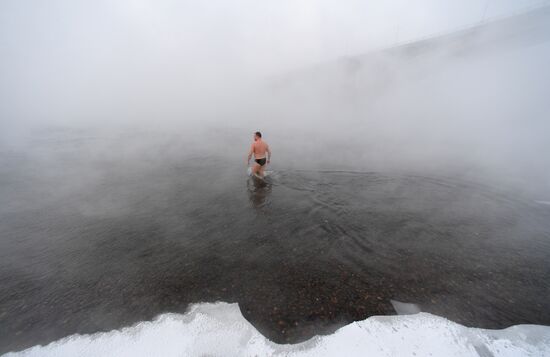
[{"x": 257, "y": 136}]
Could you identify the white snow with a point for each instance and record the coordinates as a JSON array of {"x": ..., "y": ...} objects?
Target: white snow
[{"x": 219, "y": 329}]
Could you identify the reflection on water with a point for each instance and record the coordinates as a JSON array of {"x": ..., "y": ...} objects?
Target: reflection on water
[{"x": 259, "y": 191}]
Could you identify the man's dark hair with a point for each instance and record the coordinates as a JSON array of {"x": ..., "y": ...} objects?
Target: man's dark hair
[{"x": 258, "y": 134}]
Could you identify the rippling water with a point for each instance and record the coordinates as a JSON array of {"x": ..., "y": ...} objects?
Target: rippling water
[{"x": 90, "y": 244}]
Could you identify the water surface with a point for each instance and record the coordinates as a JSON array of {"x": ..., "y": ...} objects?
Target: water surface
[{"x": 96, "y": 239}]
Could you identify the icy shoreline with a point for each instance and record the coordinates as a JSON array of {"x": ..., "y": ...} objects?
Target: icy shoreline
[{"x": 219, "y": 329}]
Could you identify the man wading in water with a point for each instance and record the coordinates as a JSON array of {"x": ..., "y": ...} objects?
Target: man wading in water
[{"x": 259, "y": 148}]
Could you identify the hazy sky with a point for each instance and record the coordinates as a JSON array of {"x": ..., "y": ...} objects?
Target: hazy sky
[
  {"x": 67, "y": 58},
  {"x": 266, "y": 35}
]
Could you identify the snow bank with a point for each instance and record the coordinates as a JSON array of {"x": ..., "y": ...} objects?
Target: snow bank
[{"x": 220, "y": 330}]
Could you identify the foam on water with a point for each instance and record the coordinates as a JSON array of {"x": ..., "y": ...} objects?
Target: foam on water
[
  {"x": 219, "y": 329},
  {"x": 266, "y": 172}
]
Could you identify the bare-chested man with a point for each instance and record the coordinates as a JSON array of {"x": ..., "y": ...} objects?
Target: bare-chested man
[{"x": 259, "y": 148}]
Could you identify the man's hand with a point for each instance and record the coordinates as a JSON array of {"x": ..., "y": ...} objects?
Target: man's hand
[{"x": 250, "y": 152}]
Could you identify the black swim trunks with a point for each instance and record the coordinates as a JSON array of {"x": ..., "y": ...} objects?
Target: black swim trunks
[{"x": 260, "y": 162}]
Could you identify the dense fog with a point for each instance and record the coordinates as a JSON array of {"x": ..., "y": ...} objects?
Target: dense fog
[{"x": 332, "y": 85}]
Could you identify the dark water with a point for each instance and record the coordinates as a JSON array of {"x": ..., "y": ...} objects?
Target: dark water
[{"x": 92, "y": 241}]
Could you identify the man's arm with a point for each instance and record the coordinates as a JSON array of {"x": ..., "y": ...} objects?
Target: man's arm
[
  {"x": 268, "y": 154},
  {"x": 250, "y": 153}
]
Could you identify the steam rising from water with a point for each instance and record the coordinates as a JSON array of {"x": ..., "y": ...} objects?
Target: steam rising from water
[{"x": 235, "y": 68}]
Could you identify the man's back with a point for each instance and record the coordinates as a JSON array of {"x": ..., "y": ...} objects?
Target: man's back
[{"x": 259, "y": 147}]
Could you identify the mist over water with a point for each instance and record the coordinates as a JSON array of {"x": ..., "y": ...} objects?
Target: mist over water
[
  {"x": 303, "y": 253},
  {"x": 403, "y": 168},
  {"x": 475, "y": 105}
]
